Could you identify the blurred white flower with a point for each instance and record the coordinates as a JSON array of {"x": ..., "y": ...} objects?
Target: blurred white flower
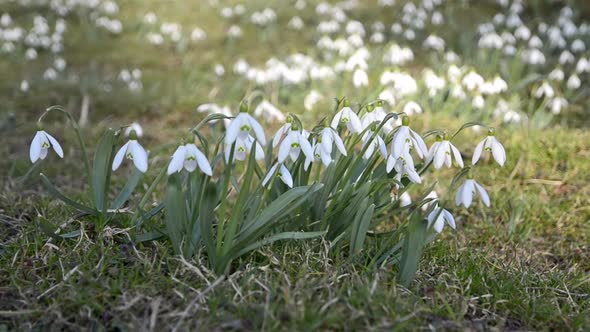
[
  {"x": 268, "y": 111},
  {"x": 360, "y": 78},
  {"x": 134, "y": 127},
  {"x": 573, "y": 82}
]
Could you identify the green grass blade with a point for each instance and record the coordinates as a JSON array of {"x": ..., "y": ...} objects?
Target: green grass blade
[{"x": 277, "y": 237}]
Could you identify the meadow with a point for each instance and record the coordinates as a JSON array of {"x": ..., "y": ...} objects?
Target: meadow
[{"x": 290, "y": 237}]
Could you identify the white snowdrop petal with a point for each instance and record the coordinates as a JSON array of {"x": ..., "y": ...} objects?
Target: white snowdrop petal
[
  {"x": 55, "y": 145},
  {"x": 119, "y": 156},
  {"x": 35, "y": 149},
  {"x": 177, "y": 160}
]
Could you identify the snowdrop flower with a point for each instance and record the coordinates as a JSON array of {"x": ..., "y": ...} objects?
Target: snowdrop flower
[
  {"x": 24, "y": 86},
  {"x": 134, "y": 151},
  {"x": 188, "y": 156},
  {"x": 283, "y": 173},
  {"x": 40, "y": 146},
  {"x": 373, "y": 144},
  {"x": 557, "y": 104},
  {"x": 328, "y": 138},
  {"x": 490, "y": 144},
  {"x": 360, "y": 78},
  {"x": 566, "y": 57},
  {"x": 405, "y": 199},
  {"x": 134, "y": 127},
  {"x": 347, "y": 116},
  {"x": 573, "y": 82},
  {"x": 241, "y": 126},
  {"x": 478, "y": 102},
  {"x": 312, "y": 98},
  {"x": 545, "y": 90},
  {"x": 269, "y": 111},
  {"x": 467, "y": 190},
  {"x": 244, "y": 146},
  {"x": 440, "y": 152},
  {"x": 437, "y": 219},
  {"x": 556, "y": 75},
  {"x": 405, "y": 139},
  {"x": 373, "y": 114},
  {"x": 411, "y": 108},
  {"x": 293, "y": 144},
  {"x": 472, "y": 81},
  {"x": 404, "y": 166},
  {"x": 212, "y": 108},
  {"x": 583, "y": 65}
]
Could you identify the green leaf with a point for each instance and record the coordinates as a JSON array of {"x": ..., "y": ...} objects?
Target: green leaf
[
  {"x": 280, "y": 207},
  {"x": 412, "y": 249},
  {"x": 50, "y": 230},
  {"x": 57, "y": 194},
  {"x": 101, "y": 169},
  {"x": 360, "y": 227},
  {"x": 206, "y": 219},
  {"x": 175, "y": 211},
  {"x": 149, "y": 236},
  {"x": 127, "y": 190},
  {"x": 277, "y": 237}
]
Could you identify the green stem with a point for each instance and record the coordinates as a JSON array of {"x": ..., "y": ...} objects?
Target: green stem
[{"x": 79, "y": 137}]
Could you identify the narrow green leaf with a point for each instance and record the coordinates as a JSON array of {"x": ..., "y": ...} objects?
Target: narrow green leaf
[
  {"x": 102, "y": 167},
  {"x": 127, "y": 189},
  {"x": 149, "y": 236},
  {"x": 57, "y": 194},
  {"x": 175, "y": 211},
  {"x": 412, "y": 249},
  {"x": 277, "y": 237},
  {"x": 360, "y": 227}
]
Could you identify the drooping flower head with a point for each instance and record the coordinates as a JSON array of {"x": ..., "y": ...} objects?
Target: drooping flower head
[
  {"x": 40, "y": 145},
  {"x": 466, "y": 192},
  {"x": 241, "y": 126},
  {"x": 490, "y": 144},
  {"x": 437, "y": 218},
  {"x": 188, "y": 156},
  {"x": 294, "y": 143},
  {"x": 280, "y": 171},
  {"x": 244, "y": 146},
  {"x": 443, "y": 151},
  {"x": 134, "y": 151},
  {"x": 347, "y": 117},
  {"x": 407, "y": 139}
]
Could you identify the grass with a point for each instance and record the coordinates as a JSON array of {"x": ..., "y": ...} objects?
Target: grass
[{"x": 524, "y": 264}]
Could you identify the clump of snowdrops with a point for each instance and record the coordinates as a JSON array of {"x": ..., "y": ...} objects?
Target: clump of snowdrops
[{"x": 345, "y": 180}]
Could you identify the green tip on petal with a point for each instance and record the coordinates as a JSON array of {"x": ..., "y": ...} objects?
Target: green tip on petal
[
  {"x": 294, "y": 127},
  {"x": 370, "y": 108},
  {"x": 379, "y": 103}
]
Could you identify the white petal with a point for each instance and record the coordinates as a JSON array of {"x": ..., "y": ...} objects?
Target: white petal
[
  {"x": 326, "y": 157},
  {"x": 498, "y": 152},
  {"x": 269, "y": 175},
  {"x": 140, "y": 158},
  {"x": 439, "y": 155},
  {"x": 305, "y": 146},
  {"x": 336, "y": 120},
  {"x": 390, "y": 163},
  {"x": 457, "y": 155},
  {"x": 439, "y": 224},
  {"x": 327, "y": 139},
  {"x": 35, "y": 150},
  {"x": 259, "y": 152},
  {"x": 477, "y": 152},
  {"x": 340, "y": 144},
  {"x": 420, "y": 142},
  {"x": 55, "y": 145},
  {"x": 257, "y": 130},
  {"x": 177, "y": 160},
  {"x": 467, "y": 194},
  {"x": 354, "y": 125},
  {"x": 285, "y": 147},
  {"x": 450, "y": 219},
  {"x": 483, "y": 193},
  {"x": 43, "y": 153},
  {"x": 204, "y": 164},
  {"x": 119, "y": 156},
  {"x": 233, "y": 130},
  {"x": 286, "y": 176},
  {"x": 382, "y": 147}
]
